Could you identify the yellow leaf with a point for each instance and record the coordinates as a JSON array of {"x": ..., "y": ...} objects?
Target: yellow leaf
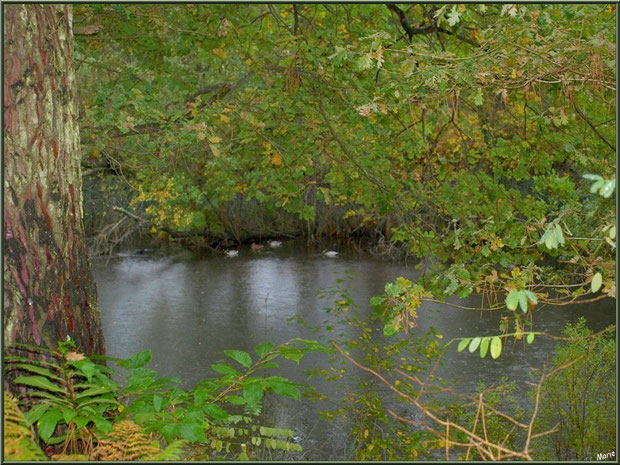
[
  {"x": 215, "y": 140},
  {"x": 224, "y": 118},
  {"x": 219, "y": 52},
  {"x": 214, "y": 150},
  {"x": 276, "y": 159}
]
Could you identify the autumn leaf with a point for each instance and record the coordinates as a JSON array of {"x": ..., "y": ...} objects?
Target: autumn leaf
[
  {"x": 276, "y": 159},
  {"x": 219, "y": 53}
]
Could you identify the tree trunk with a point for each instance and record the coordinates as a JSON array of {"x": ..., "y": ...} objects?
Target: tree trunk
[{"x": 49, "y": 291}]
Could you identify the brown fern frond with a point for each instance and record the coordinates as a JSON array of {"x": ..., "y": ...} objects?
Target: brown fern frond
[
  {"x": 70, "y": 457},
  {"x": 19, "y": 440},
  {"x": 126, "y": 441}
]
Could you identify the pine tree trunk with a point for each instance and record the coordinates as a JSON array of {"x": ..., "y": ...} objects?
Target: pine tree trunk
[{"x": 49, "y": 292}]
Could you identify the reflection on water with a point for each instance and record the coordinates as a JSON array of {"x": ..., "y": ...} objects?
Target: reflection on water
[{"x": 189, "y": 310}]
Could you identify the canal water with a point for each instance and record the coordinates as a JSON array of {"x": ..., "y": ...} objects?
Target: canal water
[{"x": 189, "y": 308}]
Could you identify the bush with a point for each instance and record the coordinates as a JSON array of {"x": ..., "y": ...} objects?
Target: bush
[
  {"x": 580, "y": 398},
  {"x": 75, "y": 404}
]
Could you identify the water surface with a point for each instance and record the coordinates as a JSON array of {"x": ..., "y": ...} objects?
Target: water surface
[{"x": 188, "y": 309}]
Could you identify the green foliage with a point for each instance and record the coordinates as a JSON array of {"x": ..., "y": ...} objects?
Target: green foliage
[
  {"x": 73, "y": 402},
  {"x": 376, "y": 434},
  {"x": 464, "y": 141},
  {"x": 520, "y": 298},
  {"x": 318, "y": 118},
  {"x": 580, "y": 398},
  {"x": 601, "y": 186},
  {"x": 227, "y": 404},
  {"x": 70, "y": 397},
  {"x": 397, "y": 307}
]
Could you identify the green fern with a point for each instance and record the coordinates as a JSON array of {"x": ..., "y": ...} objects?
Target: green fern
[{"x": 174, "y": 451}]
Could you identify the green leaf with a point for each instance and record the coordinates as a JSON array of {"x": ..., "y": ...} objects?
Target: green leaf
[
  {"x": 157, "y": 402},
  {"x": 523, "y": 301},
  {"x": 462, "y": 345},
  {"x": 240, "y": 356},
  {"x": 53, "y": 399},
  {"x": 484, "y": 347},
  {"x": 39, "y": 370},
  {"x": 215, "y": 411},
  {"x": 225, "y": 369},
  {"x": 68, "y": 415},
  {"x": 392, "y": 326},
  {"x": 40, "y": 382},
  {"x": 595, "y": 186},
  {"x": 253, "y": 393},
  {"x": 475, "y": 342},
  {"x": 235, "y": 400},
  {"x": 103, "y": 424},
  {"x": 559, "y": 234},
  {"x": 377, "y": 301},
  {"x": 608, "y": 188},
  {"x": 496, "y": 347},
  {"x": 550, "y": 240},
  {"x": 284, "y": 388},
  {"x": 530, "y": 338},
  {"x": 364, "y": 62},
  {"x": 80, "y": 422},
  {"x": 86, "y": 367},
  {"x": 531, "y": 296},
  {"x": 192, "y": 432},
  {"x": 136, "y": 360},
  {"x": 478, "y": 98},
  {"x": 263, "y": 349},
  {"x": 612, "y": 232},
  {"x": 36, "y": 412},
  {"x": 593, "y": 177},
  {"x": 597, "y": 281},
  {"x": 291, "y": 353},
  {"x": 98, "y": 400},
  {"x": 512, "y": 300},
  {"x": 95, "y": 391},
  {"x": 47, "y": 423},
  {"x": 454, "y": 16}
]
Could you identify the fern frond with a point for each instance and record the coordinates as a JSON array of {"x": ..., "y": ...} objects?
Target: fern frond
[
  {"x": 127, "y": 441},
  {"x": 19, "y": 440},
  {"x": 174, "y": 451},
  {"x": 70, "y": 457}
]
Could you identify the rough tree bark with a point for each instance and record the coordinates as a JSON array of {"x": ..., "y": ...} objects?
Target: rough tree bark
[{"x": 49, "y": 291}]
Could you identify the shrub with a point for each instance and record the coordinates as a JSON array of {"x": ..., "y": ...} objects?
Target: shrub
[{"x": 580, "y": 398}]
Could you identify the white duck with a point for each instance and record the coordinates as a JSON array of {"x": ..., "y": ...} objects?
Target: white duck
[
  {"x": 330, "y": 253},
  {"x": 274, "y": 244},
  {"x": 232, "y": 253}
]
